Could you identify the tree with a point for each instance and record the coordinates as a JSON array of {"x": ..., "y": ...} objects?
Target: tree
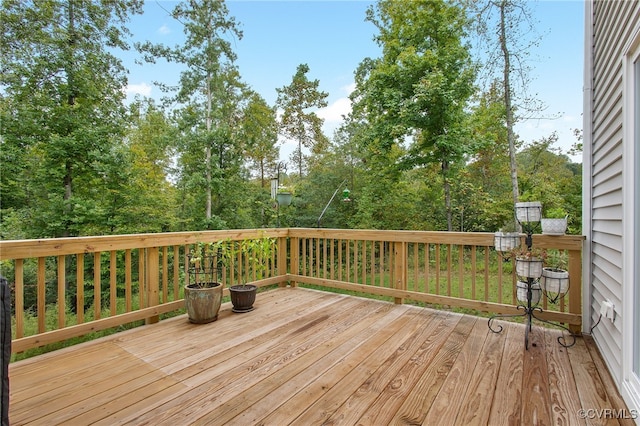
[
  {"x": 487, "y": 170},
  {"x": 297, "y": 122},
  {"x": 149, "y": 196},
  {"x": 550, "y": 177},
  {"x": 502, "y": 25},
  {"x": 62, "y": 102},
  {"x": 418, "y": 90},
  {"x": 260, "y": 133},
  {"x": 208, "y": 92}
]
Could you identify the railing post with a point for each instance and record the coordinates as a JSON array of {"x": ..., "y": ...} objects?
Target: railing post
[
  {"x": 399, "y": 275},
  {"x": 575, "y": 288},
  {"x": 282, "y": 258},
  {"x": 153, "y": 281},
  {"x": 294, "y": 254},
  {"x": 62, "y": 280}
]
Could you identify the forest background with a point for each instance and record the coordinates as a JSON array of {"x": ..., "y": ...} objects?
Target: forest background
[{"x": 428, "y": 144}]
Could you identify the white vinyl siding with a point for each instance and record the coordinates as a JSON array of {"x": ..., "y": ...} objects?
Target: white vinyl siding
[
  {"x": 613, "y": 26},
  {"x": 631, "y": 250},
  {"x": 636, "y": 222}
]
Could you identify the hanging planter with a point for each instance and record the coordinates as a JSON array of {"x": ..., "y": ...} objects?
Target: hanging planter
[
  {"x": 522, "y": 289},
  {"x": 529, "y": 261},
  {"x": 506, "y": 241},
  {"x": 554, "y": 283},
  {"x": 529, "y": 267},
  {"x": 529, "y": 211}
]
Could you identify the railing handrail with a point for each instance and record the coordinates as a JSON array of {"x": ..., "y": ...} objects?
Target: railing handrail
[
  {"x": 354, "y": 249},
  {"x": 23, "y": 249},
  {"x": 563, "y": 242}
]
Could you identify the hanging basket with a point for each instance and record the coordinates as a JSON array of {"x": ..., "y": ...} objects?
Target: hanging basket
[
  {"x": 529, "y": 211},
  {"x": 522, "y": 290},
  {"x": 555, "y": 283},
  {"x": 506, "y": 241},
  {"x": 529, "y": 267}
]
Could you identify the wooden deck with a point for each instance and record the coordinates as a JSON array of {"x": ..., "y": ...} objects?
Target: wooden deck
[{"x": 307, "y": 357}]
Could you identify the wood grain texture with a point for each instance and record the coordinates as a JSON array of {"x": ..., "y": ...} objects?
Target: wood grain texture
[{"x": 305, "y": 357}]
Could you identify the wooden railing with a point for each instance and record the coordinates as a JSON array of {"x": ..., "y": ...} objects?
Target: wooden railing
[
  {"x": 68, "y": 287},
  {"x": 453, "y": 269}
]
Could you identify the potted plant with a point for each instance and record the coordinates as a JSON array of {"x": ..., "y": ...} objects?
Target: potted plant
[
  {"x": 203, "y": 291},
  {"x": 284, "y": 196},
  {"x": 255, "y": 252},
  {"x": 507, "y": 238},
  {"x": 529, "y": 261},
  {"x": 555, "y": 277},
  {"x": 554, "y": 222}
]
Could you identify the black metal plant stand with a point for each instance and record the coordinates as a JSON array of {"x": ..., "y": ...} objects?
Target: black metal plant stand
[{"x": 530, "y": 308}]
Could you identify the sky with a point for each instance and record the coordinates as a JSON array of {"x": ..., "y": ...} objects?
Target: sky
[{"x": 332, "y": 37}]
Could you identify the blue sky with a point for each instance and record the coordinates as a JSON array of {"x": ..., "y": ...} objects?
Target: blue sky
[{"x": 332, "y": 37}]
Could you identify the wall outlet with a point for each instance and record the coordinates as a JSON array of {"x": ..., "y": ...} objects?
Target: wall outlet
[{"x": 607, "y": 310}]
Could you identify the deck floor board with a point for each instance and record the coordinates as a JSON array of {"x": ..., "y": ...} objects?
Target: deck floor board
[{"x": 305, "y": 357}]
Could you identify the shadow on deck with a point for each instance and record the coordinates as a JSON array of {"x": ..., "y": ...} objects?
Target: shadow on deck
[{"x": 308, "y": 357}]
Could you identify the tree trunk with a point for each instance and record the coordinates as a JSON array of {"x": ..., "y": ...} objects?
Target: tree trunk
[
  {"x": 208, "y": 150},
  {"x": 447, "y": 194},
  {"x": 71, "y": 100},
  {"x": 300, "y": 157},
  {"x": 507, "y": 102}
]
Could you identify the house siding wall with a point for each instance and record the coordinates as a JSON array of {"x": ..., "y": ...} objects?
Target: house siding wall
[{"x": 612, "y": 25}]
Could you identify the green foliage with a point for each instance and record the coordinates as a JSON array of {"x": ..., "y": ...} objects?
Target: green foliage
[
  {"x": 415, "y": 153},
  {"x": 418, "y": 90},
  {"x": 297, "y": 121},
  {"x": 548, "y": 176},
  {"x": 62, "y": 108},
  {"x": 256, "y": 253},
  {"x": 260, "y": 133},
  {"x": 556, "y": 213}
]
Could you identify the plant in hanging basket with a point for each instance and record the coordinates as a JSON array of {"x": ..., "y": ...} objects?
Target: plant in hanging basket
[
  {"x": 507, "y": 238},
  {"x": 529, "y": 261},
  {"x": 506, "y": 241},
  {"x": 527, "y": 253},
  {"x": 558, "y": 259},
  {"x": 554, "y": 283}
]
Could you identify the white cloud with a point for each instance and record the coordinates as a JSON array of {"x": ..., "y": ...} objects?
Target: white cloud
[
  {"x": 164, "y": 29},
  {"x": 349, "y": 88},
  {"x": 138, "y": 89},
  {"x": 334, "y": 113}
]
